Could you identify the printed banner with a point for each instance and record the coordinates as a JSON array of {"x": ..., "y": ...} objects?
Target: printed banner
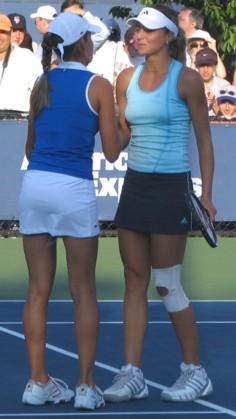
[{"x": 109, "y": 177}]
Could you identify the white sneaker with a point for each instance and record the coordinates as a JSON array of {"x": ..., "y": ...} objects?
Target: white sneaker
[
  {"x": 192, "y": 384},
  {"x": 55, "y": 391},
  {"x": 128, "y": 384},
  {"x": 88, "y": 397}
]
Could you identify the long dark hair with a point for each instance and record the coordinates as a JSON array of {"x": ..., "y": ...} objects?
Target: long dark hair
[
  {"x": 27, "y": 42},
  {"x": 177, "y": 47}
]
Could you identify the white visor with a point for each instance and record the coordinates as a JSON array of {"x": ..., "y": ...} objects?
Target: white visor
[{"x": 153, "y": 19}]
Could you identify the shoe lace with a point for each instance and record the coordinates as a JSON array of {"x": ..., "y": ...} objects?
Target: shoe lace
[
  {"x": 59, "y": 383},
  {"x": 183, "y": 379},
  {"x": 121, "y": 378}
]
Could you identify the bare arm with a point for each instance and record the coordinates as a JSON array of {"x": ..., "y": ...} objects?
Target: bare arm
[
  {"x": 191, "y": 89},
  {"x": 100, "y": 37},
  {"x": 121, "y": 88},
  {"x": 220, "y": 68},
  {"x": 234, "y": 78},
  {"x": 30, "y": 138},
  {"x": 101, "y": 98},
  {"x": 97, "y": 38}
]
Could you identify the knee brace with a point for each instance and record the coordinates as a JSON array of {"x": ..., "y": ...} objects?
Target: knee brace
[{"x": 170, "y": 278}]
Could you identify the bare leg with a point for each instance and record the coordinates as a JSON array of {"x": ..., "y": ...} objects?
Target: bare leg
[
  {"x": 134, "y": 249},
  {"x": 81, "y": 260},
  {"x": 40, "y": 253},
  {"x": 168, "y": 251},
  {"x": 186, "y": 331}
]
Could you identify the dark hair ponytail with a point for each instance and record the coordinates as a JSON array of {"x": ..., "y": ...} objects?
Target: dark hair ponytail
[
  {"x": 50, "y": 43},
  {"x": 39, "y": 96}
]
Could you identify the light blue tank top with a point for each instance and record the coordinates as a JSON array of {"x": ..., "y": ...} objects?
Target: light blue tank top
[{"x": 160, "y": 125}]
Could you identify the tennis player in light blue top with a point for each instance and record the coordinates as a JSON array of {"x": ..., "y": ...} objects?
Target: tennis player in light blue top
[
  {"x": 157, "y": 102},
  {"x": 69, "y": 105}
]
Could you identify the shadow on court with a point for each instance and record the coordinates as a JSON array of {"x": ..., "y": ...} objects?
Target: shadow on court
[{"x": 217, "y": 327}]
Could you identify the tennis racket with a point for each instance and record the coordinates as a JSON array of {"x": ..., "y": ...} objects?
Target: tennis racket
[{"x": 202, "y": 219}]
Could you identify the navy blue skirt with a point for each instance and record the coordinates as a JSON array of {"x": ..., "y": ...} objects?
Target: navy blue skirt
[{"x": 154, "y": 203}]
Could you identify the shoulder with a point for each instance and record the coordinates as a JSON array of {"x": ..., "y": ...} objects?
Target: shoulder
[
  {"x": 22, "y": 52},
  {"x": 101, "y": 85},
  {"x": 189, "y": 74},
  {"x": 190, "y": 82},
  {"x": 126, "y": 75},
  {"x": 100, "y": 81},
  {"x": 26, "y": 59},
  {"x": 25, "y": 54},
  {"x": 218, "y": 81}
]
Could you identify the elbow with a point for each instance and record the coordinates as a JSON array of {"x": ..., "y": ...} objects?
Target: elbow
[{"x": 112, "y": 157}]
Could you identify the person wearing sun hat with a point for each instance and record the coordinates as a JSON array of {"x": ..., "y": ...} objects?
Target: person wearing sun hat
[
  {"x": 19, "y": 69},
  {"x": 69, "y": 104},
  {"x": 113, "y": 57},
  {"x": 158, "y": 102},
  {"x": 202, "y": 39}
]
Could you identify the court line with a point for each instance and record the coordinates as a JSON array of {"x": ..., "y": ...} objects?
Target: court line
[
  {"x": 95, "y": 414},
  {"x": 121, "y": 322},
  {"x": 121, "y": 301},
  {"x": 54, "y": 348}
]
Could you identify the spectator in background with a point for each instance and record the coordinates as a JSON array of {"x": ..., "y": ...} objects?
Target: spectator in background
[
  {"x": 29, "y": 43},
  {"x": 43, "y": 17},
  {"x": 113, "y": 27},
  {"x": 201, "y": 39},
  {"x": 226, "y": 101},
  {"x": 206, "y": 62},
  {"x": 130, "y": 48},
  {"x": 19, "y": 35},
  {"x": 104, "y": 59},
  {"x": 191, "y": 21},
  {"x": 78, "y": 7},
  {"x": 113, "y": 57},
  {"x": 19, "y": 68}
]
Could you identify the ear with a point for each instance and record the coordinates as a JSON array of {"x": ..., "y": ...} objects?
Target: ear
[{"x": 170, "y": 37}]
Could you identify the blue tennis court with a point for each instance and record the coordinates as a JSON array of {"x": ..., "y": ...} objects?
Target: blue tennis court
[{"x": 217, "y": 328}]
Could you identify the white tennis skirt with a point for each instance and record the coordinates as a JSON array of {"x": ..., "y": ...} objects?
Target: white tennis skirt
[{"x": 57, "y": 204}]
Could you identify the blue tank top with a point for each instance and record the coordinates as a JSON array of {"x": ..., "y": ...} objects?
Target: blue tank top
[
  {"x": 66, "y": 128},
  {"x": 160, "y": 125}
]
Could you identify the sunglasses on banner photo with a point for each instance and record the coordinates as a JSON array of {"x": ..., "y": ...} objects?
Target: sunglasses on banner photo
[{"x": 202, "y": 44}]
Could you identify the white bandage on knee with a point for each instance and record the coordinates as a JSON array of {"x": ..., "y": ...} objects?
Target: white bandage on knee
[{"x": 170, "y": 278}]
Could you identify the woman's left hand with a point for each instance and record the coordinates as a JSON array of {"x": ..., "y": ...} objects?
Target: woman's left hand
[{"x": 209, "y": 206}]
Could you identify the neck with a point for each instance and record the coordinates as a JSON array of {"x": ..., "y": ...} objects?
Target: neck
[
  {"x": 208, "y": 83},
  {"x": 159, "y": 67}
]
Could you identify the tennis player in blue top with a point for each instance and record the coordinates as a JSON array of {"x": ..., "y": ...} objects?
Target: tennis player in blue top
[
  {"x": 157, "y": 102},
  {"x": 69, "y": 105}
]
